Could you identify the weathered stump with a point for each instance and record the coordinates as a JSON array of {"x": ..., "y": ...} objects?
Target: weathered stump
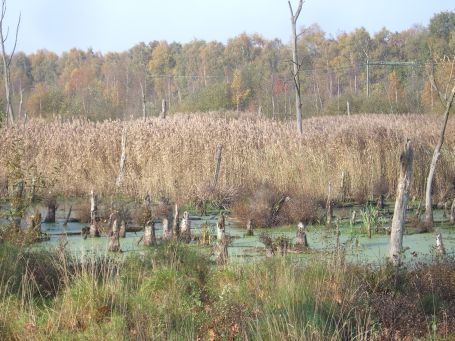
[
  {"x": 399, "y": 215},
  {"x": 221, "y": 251},
  {"x": 268, "y": 243},
  {"x": 51, "y": 203},
  {"x": 176, "y": 223},
  {"x": 185, "y": 227},
  {"x": 249, "y": 228},
  {"x": 353, "y": 218},
  {"x": 440, "y": 249},
  {"x": 114, "y": 239},
  {"x": 221, "y": 227},
  {"x": 452, "y": 213},
  {"x": 122, "y": 232},
  {"x": 35, "y": 223},
  {"x": 149, "y": 234},
  {"x": 380, "y": 203},
  {"x": 300, "y": 236},
  {"x": 94, "y": 230},
  {"x": 167, "y": 232},
  {"x": 329, "y": 207}
]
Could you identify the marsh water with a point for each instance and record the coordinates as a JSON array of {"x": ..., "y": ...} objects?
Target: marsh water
[{"x": 355, "y": 242}]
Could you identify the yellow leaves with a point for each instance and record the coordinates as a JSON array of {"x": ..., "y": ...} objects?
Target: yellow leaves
[{"x": 240, "y": 94}]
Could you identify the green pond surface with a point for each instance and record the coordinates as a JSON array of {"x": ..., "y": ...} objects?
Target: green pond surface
[{"x": 357, "y": 246}]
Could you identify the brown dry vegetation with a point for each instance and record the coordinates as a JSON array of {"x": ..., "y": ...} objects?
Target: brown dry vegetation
[{"x": 175, "y": 156}]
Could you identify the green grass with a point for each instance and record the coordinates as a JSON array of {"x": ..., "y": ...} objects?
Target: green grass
[{"x": 174, "y": 292}]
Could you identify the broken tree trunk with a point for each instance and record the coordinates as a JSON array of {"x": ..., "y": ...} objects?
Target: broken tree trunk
[
  {"x": 122, "y": 232},
  {"x": 221, "y": 227},
  {"x": 114, "y": 240},
  {"x": 296, "y": 65},
  {"x": 221, "y": 252},
  {"x": 219, "y": 150},
  {"x": 121, "y": 173},
  {"x": 399, "y": 215},
  {"x": 51, "y": 202},
  {"x": 249, "y": 228},
  {"x": 437, "y": 151},
  {"x": 176, "y": 223},
  {"x": 94, "y": 231},
  {"x": 185, "y": 227},
  {"x": 276, "y": 209},
  {"x": 300, "y": 236},
  {"x": 35, "y": 223},
  {"x": 149, "y": 234},
  {"x": 353, "y": 217},
  {"x": 440, "y": 249},
  {"x": 167, "y": 232}
]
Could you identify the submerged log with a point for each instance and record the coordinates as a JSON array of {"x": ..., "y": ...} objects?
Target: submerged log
[
  {"x": 399, "y": 215},
  {"x": 149, "y": 234},
  {"x": 300, "y": 236},
  {"x": 114, "y": 239}
]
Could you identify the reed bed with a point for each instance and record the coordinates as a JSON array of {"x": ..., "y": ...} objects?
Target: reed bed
[{"x": 176, "y": 156}]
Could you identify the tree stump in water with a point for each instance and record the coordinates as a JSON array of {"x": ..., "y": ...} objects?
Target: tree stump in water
[
  {"x": 167, "y": 232},
  {"x": 249, "y": 228},
  {"x": 176, "y": 223},
  {"x": 114, "y": 239},
  {"x": 220, "y": 227},
  {"x": 300, "y": 236},
  {"x": 149, "y": 234},
  {"x": 329, "y": 207},
  {"x": 122, "y": 232},
  {"x": 353, "y": 217},
  {"x": 221, "y": 251},
  {"x": 440, "y": 249},
  {"x": 35, "y": 223},
  {"x": 185, "y": 227},
  {"x": 94, "y": 230},
  {"x": 51, "y": 203},
  {"x": 452, "y": 213},
  {"x": 380, "y": 204},
  {"x": 399, "y": 215}
]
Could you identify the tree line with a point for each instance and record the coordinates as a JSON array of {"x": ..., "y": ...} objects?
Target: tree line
[{"x": 355, "y": 72}]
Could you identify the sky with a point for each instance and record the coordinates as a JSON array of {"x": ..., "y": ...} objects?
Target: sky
[{"x": 117, "y": 25}]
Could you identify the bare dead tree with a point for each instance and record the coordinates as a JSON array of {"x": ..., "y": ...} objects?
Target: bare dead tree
[
  {"x": 446, "y": 99},
  {"x": 121, "y": 173},
  {"x": 296, "y": 65},
  {"x": 6, "y": 59},
  {"x": 401, "y": 202}
]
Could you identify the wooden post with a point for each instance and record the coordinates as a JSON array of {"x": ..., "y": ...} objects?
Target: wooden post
[
  {"x": 185, "y": 227},
  {"x": 149, "y": 234},
  {"x": 121, "y": 173},
  {"x": 221, "y": 227},
  {"x": 163, "y": 108},
  {"x": 399, "y": 215},
  {"x": 219, "y": 150},
  {"x": 300, "y": 236},
  {"x": 114, "y": 241},
  {"x": 94, "y": 231},
  {"x": 122, "y": 232},
  {"x": 176, "y": 223},
  {"x": 329, "y": 206}
]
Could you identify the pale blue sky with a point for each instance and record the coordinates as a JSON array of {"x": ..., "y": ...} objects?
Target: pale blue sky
[{"x": 116, "y": 25}]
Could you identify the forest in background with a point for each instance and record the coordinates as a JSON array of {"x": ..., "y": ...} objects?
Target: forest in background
[{"x": 247, "y": 73}]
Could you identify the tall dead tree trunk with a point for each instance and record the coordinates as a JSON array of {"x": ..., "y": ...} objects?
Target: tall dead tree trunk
[
  {"x": 94, "y": 231},
  {"x": 121, "y": 173},
  {"x": 6, "y": 60},
  {"x": 401, "y": 202},
  {"x": 447, "y": 100},
  {"x": 216, "y": 175},
  {"x": 296, "y": 65}
]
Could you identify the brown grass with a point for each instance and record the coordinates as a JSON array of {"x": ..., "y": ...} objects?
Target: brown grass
[{"x": 175, "y": 156}]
